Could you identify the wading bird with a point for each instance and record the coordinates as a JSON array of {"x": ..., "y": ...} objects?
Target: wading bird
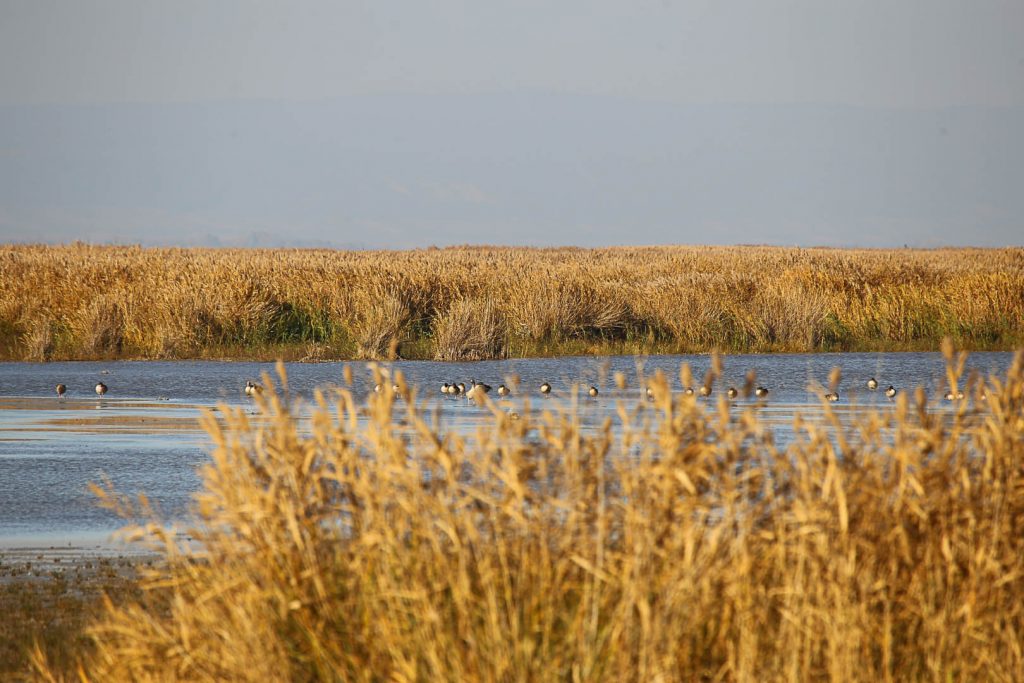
[
  {"x": 761, "y": 392},
  {"x": 732, "y": 393},
  {"x": 890, "y": 392},
  {"x": 593, "y": 392},
  {"x": 545, "y": 388},
  {"x": 832, "y": 397},
  {"x": 705, "y": 390},
  {"x": 872, "y": 384},
  {"x": 503, "y": 390},
  {"x": 101, "y": 388},
  {"x": 61, "y": 390}
]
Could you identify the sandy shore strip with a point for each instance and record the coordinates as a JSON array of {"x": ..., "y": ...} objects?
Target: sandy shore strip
[
  {"x": 23, "y": 418},
  {"x": 56, "y": 404}
]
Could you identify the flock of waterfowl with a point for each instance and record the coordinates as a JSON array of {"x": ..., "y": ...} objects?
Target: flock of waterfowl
[
  {"x": 474, "y": 388},
  {"x": 761, "y": 392},
  {"x": 872, "y": 384}
]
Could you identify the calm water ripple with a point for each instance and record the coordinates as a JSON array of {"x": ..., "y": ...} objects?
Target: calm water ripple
[{"x": 142, "y": 436}]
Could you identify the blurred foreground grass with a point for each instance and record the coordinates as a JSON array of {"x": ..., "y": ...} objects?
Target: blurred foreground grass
[{"x": 673, "y": 543}]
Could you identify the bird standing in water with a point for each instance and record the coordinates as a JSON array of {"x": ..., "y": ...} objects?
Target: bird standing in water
[
  {"x": 872, "y": 384},
  {"x": 593, "y": 392},
  {"x": 545, "y": 388},
  {"x": 101, "y": 388},
  {"x": 61, "y": 390},
  {"x": 890, "y": 392},
  {"x": 832, "y": 397},
  {"x": 761, "y": 392},
  {"x": 503, "y": 390}
]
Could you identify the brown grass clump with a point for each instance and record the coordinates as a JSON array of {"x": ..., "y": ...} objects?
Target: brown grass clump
[
  {"x": 38, "y": 339},
  {"x": 687, "y": 308},
  {"x": 183, "y": 303},
  {"x": 381, "y": 323},
  {"x": 543, "y": 307},
  {"x": 99, "y": 327},
  {"x": 471, "y": 329},
  {"x": 673, "y": 543}
]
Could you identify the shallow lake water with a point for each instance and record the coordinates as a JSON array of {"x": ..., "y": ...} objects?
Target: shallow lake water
[{"x": 143, "y": 436}]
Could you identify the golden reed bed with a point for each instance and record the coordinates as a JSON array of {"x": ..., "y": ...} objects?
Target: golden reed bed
[
  {"x": 81, "y": 301},
  {"x": 675, "y": 543}
]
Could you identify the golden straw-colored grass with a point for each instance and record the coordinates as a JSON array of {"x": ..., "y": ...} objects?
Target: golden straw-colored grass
[
  {"x": 82, "y": 301},
  {"x": 673, "y": 543}
]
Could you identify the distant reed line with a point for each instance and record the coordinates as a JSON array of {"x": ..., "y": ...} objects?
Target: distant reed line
[{"x": 82, "y": 301}]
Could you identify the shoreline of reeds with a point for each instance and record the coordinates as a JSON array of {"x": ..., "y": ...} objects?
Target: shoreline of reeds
[
  {"x": 303, "y": 354},
  {"x": 87, "y": 302}
]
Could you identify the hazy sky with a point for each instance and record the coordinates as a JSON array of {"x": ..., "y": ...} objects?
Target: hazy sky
[{"x": 384, "y": 124}]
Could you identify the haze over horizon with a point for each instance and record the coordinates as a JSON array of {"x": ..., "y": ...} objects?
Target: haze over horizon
[{"x": 360, "y": 125}]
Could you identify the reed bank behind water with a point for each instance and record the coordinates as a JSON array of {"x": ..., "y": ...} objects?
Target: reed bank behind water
[{"x": 85, "y": 302}]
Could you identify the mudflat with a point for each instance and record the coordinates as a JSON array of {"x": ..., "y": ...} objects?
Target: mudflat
[{"x": 49, "y": 595}]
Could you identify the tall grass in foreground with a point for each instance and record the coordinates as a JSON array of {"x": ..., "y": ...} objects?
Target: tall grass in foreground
[
  {"x": 82, "y": 301},
  {"x": 678, "y": 544}
]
